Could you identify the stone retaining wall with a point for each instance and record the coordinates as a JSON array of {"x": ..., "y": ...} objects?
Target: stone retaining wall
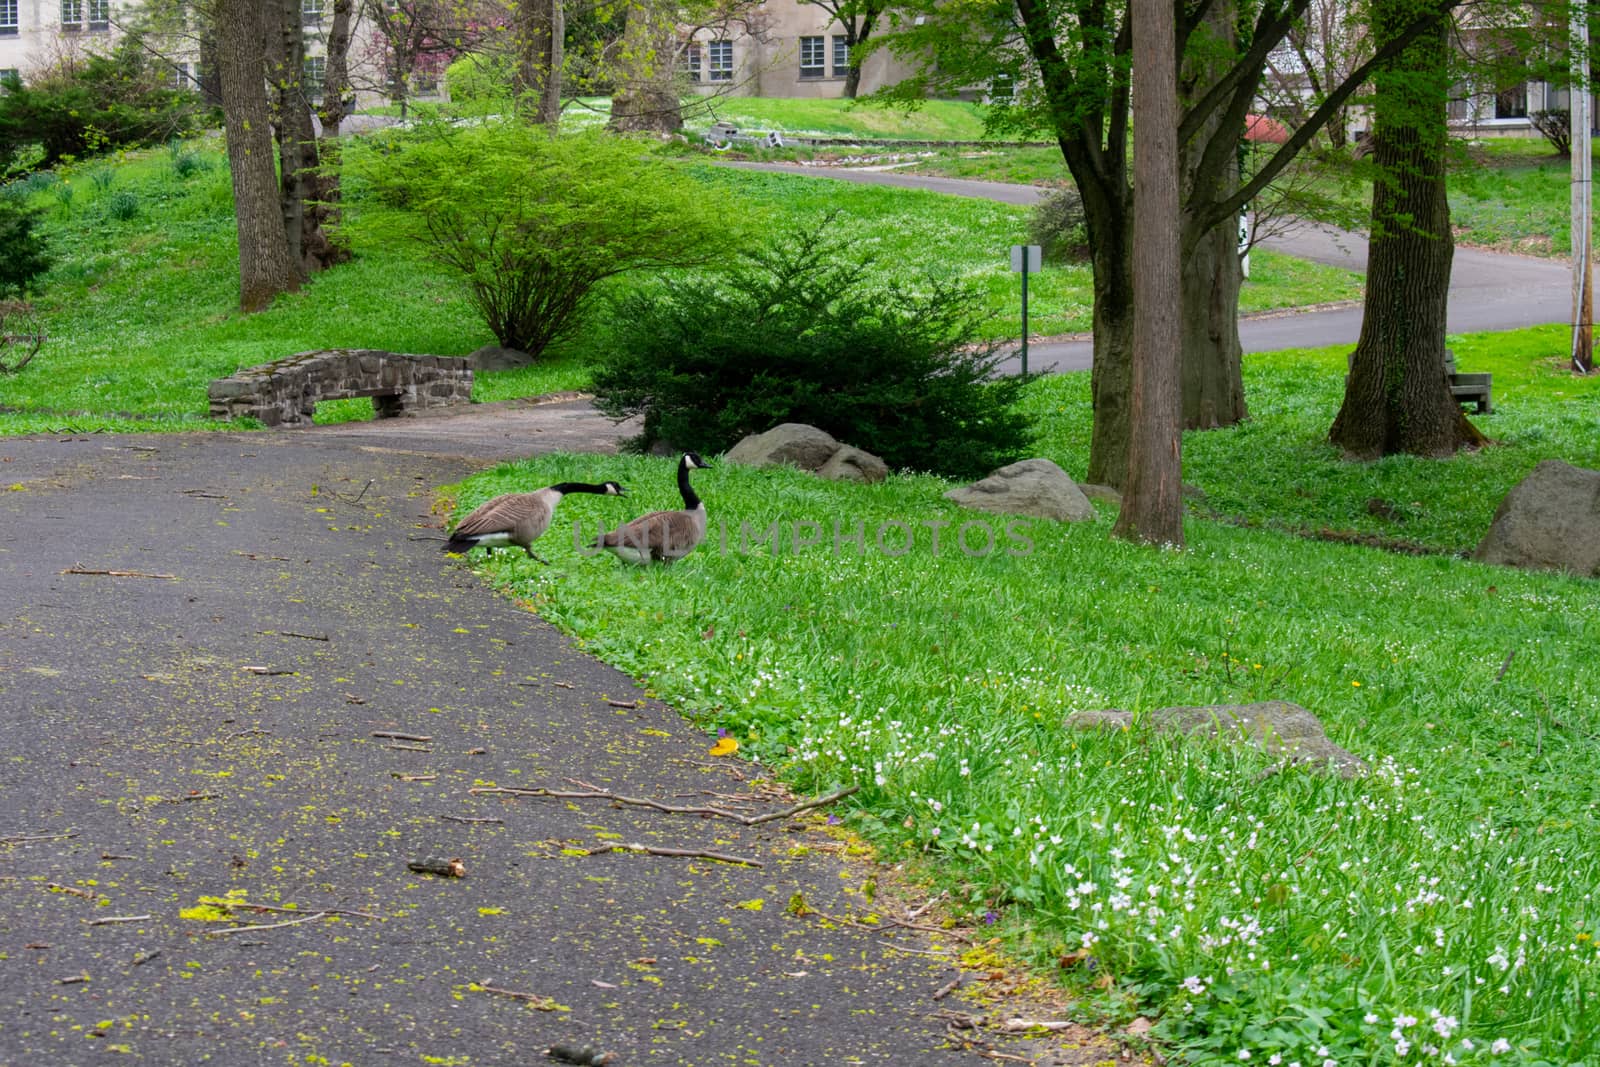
[{"x": 285, "y": 392}]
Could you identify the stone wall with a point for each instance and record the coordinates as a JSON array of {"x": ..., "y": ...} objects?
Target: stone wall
[{"x": 285, "y": 392}]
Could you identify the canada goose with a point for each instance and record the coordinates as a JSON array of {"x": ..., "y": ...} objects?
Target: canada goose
[
  {"x": 517, "y": 518},
  {"x": 663, "y": 536}
]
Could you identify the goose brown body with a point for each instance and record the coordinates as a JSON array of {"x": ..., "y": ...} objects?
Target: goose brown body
[
  {"x": 663, "y": 536},
  {"x": 517, "y": 518}
]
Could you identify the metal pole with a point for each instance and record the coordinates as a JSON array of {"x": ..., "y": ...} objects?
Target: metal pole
[
  {"x": 1582, "y": 197},
  {"x": 1024, "y": 312}
]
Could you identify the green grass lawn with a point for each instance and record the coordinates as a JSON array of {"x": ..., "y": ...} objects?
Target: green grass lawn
[
  {"x": 1279, "y": 914},
  {"x": 141, "y": 311}
]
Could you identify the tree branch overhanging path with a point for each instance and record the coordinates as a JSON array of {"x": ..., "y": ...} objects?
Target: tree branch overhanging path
[{"x": 1077, "y": 63}]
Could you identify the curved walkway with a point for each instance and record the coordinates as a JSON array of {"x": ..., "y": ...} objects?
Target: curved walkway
[
  {"x": 232, "y": 670},
  {"x": 1488, "y": 290}
]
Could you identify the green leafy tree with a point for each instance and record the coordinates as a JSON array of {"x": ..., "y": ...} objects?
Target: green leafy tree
[
  {"x": 799, "y": 332},
  {"x": 533, "y": 223},
  {"x": 1070, "y": 65}
]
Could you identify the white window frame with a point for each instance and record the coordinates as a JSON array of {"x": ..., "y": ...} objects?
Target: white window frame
[
  {"x": 313, "y": 72},
  {"x": 72, "y": 15},
  {"x": 813, "y": 57},
  {"x": 311, "y": 11},
  {"x": 719, "y": 61},
  {"x": 99, "y": 15},
  {"x": 693, "y": 57},
  {"x": 8, "y": 26},
  {"x": 841, "y": 55}
]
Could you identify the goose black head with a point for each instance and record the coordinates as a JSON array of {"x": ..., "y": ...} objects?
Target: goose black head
[
  {"x": 613, "y": 489},
  {"x": 692, "y": 461}
]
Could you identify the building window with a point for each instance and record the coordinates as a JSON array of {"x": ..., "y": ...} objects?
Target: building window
[
  {"x": 841, "y": 56},
  {"x": 7, "y": 74},
  {"x": 8, "y": 18},
  {"x": 719, "y": 57},
  {"x": 99, "y": 14},
  {"x": 72, "y": 14},
  {"x": 310, "y": 10},
  {"x": 1512, "y": 104},
  {"x": 312, "y": 73},
  {"x": 1557, "y": 98},
  {"x": 178, "y": 76},
  {"x": 691, "y": 60},
  {"x": 812, "y": 58}
]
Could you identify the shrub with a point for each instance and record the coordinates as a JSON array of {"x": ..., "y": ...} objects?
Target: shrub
[
  {"x": 1057, "y": 226},
  {"x": 92, "y": 104},
  {"x": 24, "y": 255},
  {"x": 534, "y": 223},
  {"x": 122, "y": 205},
  {"x": 479, "y": 83},
  {"x": 1556, "y": 127},
  {"x": 796, "y": 333}
]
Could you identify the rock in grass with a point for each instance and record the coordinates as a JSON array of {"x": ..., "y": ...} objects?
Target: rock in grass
[
  {"x": 1549, "y": 521},
  {"x": 1034, "y": 487},
  {"x": 493, "y": 357},
  {"x": 810, "y": 449},
  {"x": 793, "y": 443},
  {"x": 1275, "y": 727}
]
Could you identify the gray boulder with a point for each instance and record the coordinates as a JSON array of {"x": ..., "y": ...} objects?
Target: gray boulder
[
  {"x": 793, "y": 443},
  {"x": 493, "y": 357},
  {"x": 853, "y": 465},
  {"x": 1275, "y": 727},
  {"x": 1034, "y": 487},
  {"x": 1549, "y": 521},
  {"x": 810, "y": 449}
]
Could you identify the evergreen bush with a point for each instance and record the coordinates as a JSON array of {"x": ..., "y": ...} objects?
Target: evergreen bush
[
  {"x": 797, "y": 332},
  {"x": 24, "y": 254}
]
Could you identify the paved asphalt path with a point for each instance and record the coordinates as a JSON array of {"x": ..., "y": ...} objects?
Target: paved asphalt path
[
  {"x": 1488, "y": 290},
  {"x": 171, "y": 741}
]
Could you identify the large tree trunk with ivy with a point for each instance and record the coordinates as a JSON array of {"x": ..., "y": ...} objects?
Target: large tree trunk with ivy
[
  {"x": 1397, "y": 397},
  {"x": 331, "y": 113},
  {"x": 297, "y": 139},
  {"x": 1111, "y": 379},
  {"x": 1211, "y": 276},
  {"x": 647, "y": 97},
  {"x": 266, "y": 267},
  {"x": 539, "y": 27}
]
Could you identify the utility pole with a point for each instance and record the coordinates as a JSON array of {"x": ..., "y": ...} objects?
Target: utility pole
[{"x": 1582, "y": 197}]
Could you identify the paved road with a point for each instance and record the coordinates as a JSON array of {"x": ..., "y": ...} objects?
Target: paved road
[
  {"x": 1488, "y": 290},
  {"x": 172, "y": 742}
]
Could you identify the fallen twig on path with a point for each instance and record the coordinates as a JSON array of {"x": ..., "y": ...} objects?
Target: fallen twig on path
[
  {"x": 691, "y": 853},
  {"x": 269, "y": 926},
  {"x": 291, "y": 633},
  {"x": 25, "y": 839},
  {"x": 117, "y": 919},
  {"x": 80, "y": 569},
  {"x": 468, "y": 819},
  {"x": 542, "y": 1003},
  {"x": 673, "y": 809},
  {"x": 393, "y": 736}
]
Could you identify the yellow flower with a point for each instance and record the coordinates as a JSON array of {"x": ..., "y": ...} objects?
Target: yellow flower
[{"x": 725, "y": 746}]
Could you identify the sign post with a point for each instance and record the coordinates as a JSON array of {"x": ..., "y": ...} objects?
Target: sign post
[{"x": 1025, "y": 260}]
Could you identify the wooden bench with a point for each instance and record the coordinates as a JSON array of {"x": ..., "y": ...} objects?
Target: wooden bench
[{"x": 1468, "y": 388}]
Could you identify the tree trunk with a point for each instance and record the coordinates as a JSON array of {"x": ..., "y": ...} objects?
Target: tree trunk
[
  {"x": 266, "y": 267},
  {"x": 540, "y": 29},
  {"x": 331, "y": 113},
  {"x": 297, "y": 150},
  {"x": 1111, "y": 378},
  {"x": 1152, "y": 496},
  {"x": 1397, "y": 397},
  {"x": 647, "y": 97},
  {"x": 1213, "y": 375}
]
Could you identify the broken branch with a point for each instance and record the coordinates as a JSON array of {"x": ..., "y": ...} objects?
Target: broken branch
[
  {"x": 654, "y": 850},
  {"x": 393, "y": 736},
  {"x": 674, "y": 809},
  {"x": 79, "y": 569},
  {"x": 542, "y": 1003},
  {"x": 117, "y": 919}
]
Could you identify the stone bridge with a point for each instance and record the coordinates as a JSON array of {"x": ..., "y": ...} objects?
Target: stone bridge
[{"x": 286, "y": 392}]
